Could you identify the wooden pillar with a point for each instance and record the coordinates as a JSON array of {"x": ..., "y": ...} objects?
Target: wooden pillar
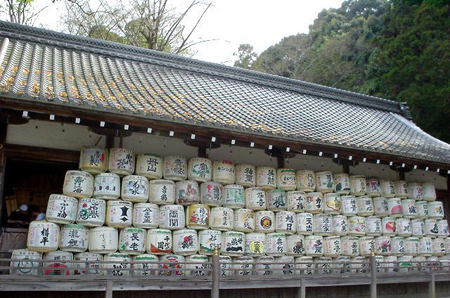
[
  {"x": 373, "y": 276},
  {"x": 401, "y": 175},
  {"x": 346, "y": 169},
  {"x": 202, "y": 152},
  {"x": 280, "y": 162},
  {"x": 3, "y": 132},
  {"x": 215, "y": 288},
  {"x": 109, "y": 141}
]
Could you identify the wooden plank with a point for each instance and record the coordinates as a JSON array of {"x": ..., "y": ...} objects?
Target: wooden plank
[
  {"x": 40, "y": 153},
  {"x": 50, "y": 286}
]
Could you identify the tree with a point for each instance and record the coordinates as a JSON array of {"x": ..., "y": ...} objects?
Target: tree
[
  {"x": 20, "y": 11},
  {"x": 246, "y": 56}
]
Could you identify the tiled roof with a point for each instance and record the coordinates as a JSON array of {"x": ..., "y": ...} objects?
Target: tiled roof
[{"x": 47, "y": 66}]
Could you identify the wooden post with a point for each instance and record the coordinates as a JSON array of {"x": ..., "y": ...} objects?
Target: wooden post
[
  {"x": 215, "y": 274},
  {"x": 280, "y": 162},
  {"x": 432, "y": 287},
  {"x": 109, "y": 141},
  {"x": 302, "y": 290},
  {"x": 373, "y": 276},
  {"x": 109, "y": 289},
  {"x": 3, "y": 132},
  {"x": 202, "y": 152}
]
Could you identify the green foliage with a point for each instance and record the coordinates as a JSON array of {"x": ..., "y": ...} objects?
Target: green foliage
[{"x": 246, "y": 56}]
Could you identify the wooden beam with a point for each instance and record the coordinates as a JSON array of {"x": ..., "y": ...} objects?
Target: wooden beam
[{"x": 40, "y": 153}]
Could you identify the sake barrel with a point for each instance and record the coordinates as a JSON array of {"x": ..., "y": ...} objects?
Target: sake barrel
[
  {"x": 255, "y": 244},
  {"x": 447, "y": 245},
  {"x": 266, "y": 178},
  {"x": 285, "y": 222},
  {"x": 314, "y": 202},
  {"x": 387, "y": 188},
  {"x": 322, "y": 224},
  {"x": 221, "y": 219},
  {"x": 93, "y": 160},
  {"x": 339, "y": 225},
  {"x": 150, "y": 166},
  {"x": 350, "y": 246},
  {"x": 422, "y": 209},
  {"x": 349, "y": 205},
  {"x": 264, "y": 221},
  {"x": 389, "y": 226},
  {"x": 187, "y": 192},
  {"x": 74, "y": 238},
  {"x": 305, "y": 223},
  {"x": 357, "y": 185},
  {"x": 159, "y": 241},
  {"x": 295, "y": 245},
  {"x": 145, "y": 215},
  {"x": 428, "y": 192},
  {"x": 162, "y": 192},
  {"x": 445, "y": 263},
  {"x": 264, "y": 265},
  {"x": 412, "y": 246},
  {"x": 366, "y": 246},
  {"x": 243, "y": 265},
  {"x": 358, "y": 265},
  {"x": 185, "y": 242},
  {"x": 383, "y": 245},
  {"x": 332, "y": 246},
  {"x": 284, "y": 265},
  {"x": 390, "y": 264},
  {"x": 443, "y": 229},
  {"x": 224, "y": 172},
  {"x": 324, "y": 182},
  {"x": 146, "y": 265},
  {"x": 404, "y": 227},
  {"x": 373, "y": 188},
  {"x": 225, "y": 266},
  {"x": 373, "y": 226},
  {"x": 418, "y": 227},
  {"x": 200, "y": 169},
  {"x": 175, "y": 168},
  {"x": 119, "y": 214},
  {"x": 245, "y": 175},
  {"x": 425, "y": 246},
  {"x": 135, "y": 189},
  {"x": 107, "y": 186},
  {"x": 275, "y": 244},
  {"x": 438, "y": 245},
  {"x": 304, "y": 265},
  {"x": 25, "y": 262},
  {"x": 415, "y": 191},
  {"x": 405, "y": 263},
  {"x": 379, "y": 263},
  {"x": 61, "y": 209},
  {"x": 171, "y": 265},
  {"x": 91, "y": 266},
  {"x": 314, "y": 246},
  {"x": 197, "y": 265},
  {"x": 401, "y": 189},
  {"x": 381, "y": 206},
  {"x": 409, "y": 208},
  {"x": 435, "y": 210},
  {"x": 255, "y": 198},
  {"x": 433, "y": 263},
  {"x": 342, "y": 184},
  {"x": 233, "y": 243},
  {"x": 296, "y": 201},
  {"x": 211, "y": 193},
  {"x": 119, "y": 264},
  {"x": 431, "y": 228},
  {"x": 356, "y": 226},
  {"x": 208, "y": 241},
  {"x": 395, "y": 207},
  {"x": 171, "y": 217},
  {"x": 244, "y": 220},
  {"x": 132, "y": 241},
  {"x": 43, "y": 236},
  {"x": 332, "y": 203},
  {"x": 398, "y": 245},
  {"x": 365, "y": 206},
  {"x": 286, "y": 179},
  {"x": 276, "y": 200},
  {"x": 197, "y": 216},
  {"x": 306, "y": 180},
  {"x": 91, "y": 212},
  {"x": 58, "y": 263},
  {"x": 121, "y": 161},
  {"x": 78, "y": 184},
  {"x": 343, "y": 264},
  {"x": 233, "y": 196},
  {"x": 103, "y": 240}
]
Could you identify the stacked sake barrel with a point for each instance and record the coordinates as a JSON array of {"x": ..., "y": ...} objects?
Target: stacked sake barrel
[{"x": 120, "y": 208}]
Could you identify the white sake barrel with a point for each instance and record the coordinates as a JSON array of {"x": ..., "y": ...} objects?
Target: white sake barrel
[
  {"x": 356, "y": 226},
  {"x": 332, "y": 246},
  {"x": 342, "y": 183},
  {"x": 244, "y": 220},
  {"x": 208, "y": 241},
  {"x": 243, "y": 265},
  {"x": 295, "y": 245},
  {"x": 285, "y": 222},
  {"x": 146, "y": 215},
  {"x": 332, "y": 203},
  {"x": 434, "y": 263},
  {"x": 343, "y": 264},
  {"x": 324, "y": 182},
  {"x": 306, "y": 180},
  {"x": 443, "y": 228},
  {"x": 387, "y": 188},
  {"x": 91, "y": 212},
  {"x": 93, "y": 160},
  {"x": 78, "y": 184},
  {"x": 438, "y": 245},
  {"x": 418, "y": 227},
  {"x": 314, "y": 246},
  {"x": 266, "y": 178},
  {"x": 383, "y": 245},
  {"x": 91, "y": 266},
  {"x": 322, "y": 265},
  {"x": 147, "y": 265},
  {"x": 264, "y": 222},
  {"x": 366, "y": 246},
  {"x": 395, "y": 207},
  {"x": 339, "y": 225},
  {"x": 305, "y": 223},
  {"x": 286, "y": 179},
  {"x": 119, "y": 214},
  {"x": 431, "y": 228},
  {"x": 175, "y": 168},
  {"x": 415, "y": 191},
  {"x": 187, "y": 192},
  {"x": 200, "y": 169},
  {"x": 398, "y": 245},
  {"x": 58, "y": 263},
  {"x": 43, "y": 236},
  {"x": 225, "y": 266},
  {"x": 381, "y": 206},
  {"x": 284, "y": 265},
  {"x": 162, "y": 192},
  {"x": 171, "y": 265},
  {"x": 447, "y": 245},
  {"x": 159, "y": 241},
  {"x": 358, "y": 265},
  {"x": 233, "y": 243},
  {"x": 197, "y": 216},
  {"x": 211, "y": 193},
  {"x": 26, "y": 261},
  {"x": 61, "y": 209},
  {"x": 221, "y": 219},
  {"x": 425, "y": 246},
  {"x": 119, "y": 266},
  {"x": 275, "y": 244},
  {"x": 373, "y": 188},
  {"x": 405, "y": 263},
  {"x": 296, "y": 201},
  {"x": 150, "y": 166},
  {"x": 373, "y": 226},
  {"x": 74, "y": 238},
  {"x": 412, "y": 246},
  {"x": 245, "y": 175},
  {"x": 107, "y": 186},
  {"x": 349, "y": 205},
  {"x": 409, "y": 208},
  {"x": 264, "y": 265},
  {"x": 172, "y": 217},
  {"x": 358, "y": 185},
  {"x": 365, "y": 206},
  {"x": 322, "y": 224},
  {"x": 134, "y": 189},
  {"x": 255, "y": 244},
  {"x": 233, "y": 196},
  {"x": 197, "y": 265},
  {"x": 390, "y": 264},
  {"x": 132, "y": 241},
  {"x": 255, "y": 198},
  {"x": 350, "y": 246},
  {"x": 401, "y": 189},
  {"x": 224, "y": 172},
  {"x": 314, "y": 202},
  {"x": 276, "y": 200},
  {"x": 389, "y": 226},
  {"x": 428, "y": 192},
  {"x": 404, "y": 227},
  {"x": 304, "y": 265},
  {"x": 121, "y": 161},
  {"x": 445, "y": 263},
  {"x": 103, "y": 240},
  {"x": 185, "y": 242},
  {"x": 422, "y": 209},
  {"x": 436, "y": 210}
]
